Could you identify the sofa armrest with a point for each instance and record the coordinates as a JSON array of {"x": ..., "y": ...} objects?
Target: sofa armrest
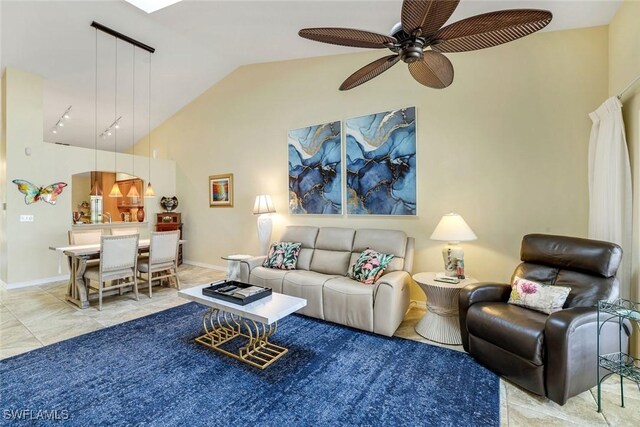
[
  {"x": 248, "y": 264},
  {"x": 474, "y": 293},
  {"x": 390, "y": 301},
  {"x": 571, "y": 342}
]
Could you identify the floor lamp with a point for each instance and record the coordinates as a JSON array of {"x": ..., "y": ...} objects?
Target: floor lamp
[{"x": 264, "y": 208}]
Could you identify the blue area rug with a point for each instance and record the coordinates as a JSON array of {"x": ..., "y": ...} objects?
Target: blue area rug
[{"x": 150, "y": 372}]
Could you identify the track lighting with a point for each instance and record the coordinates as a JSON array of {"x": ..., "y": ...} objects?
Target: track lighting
[
  {"x": 109, "y": 130},
  {"x": 60, "y": 122}
]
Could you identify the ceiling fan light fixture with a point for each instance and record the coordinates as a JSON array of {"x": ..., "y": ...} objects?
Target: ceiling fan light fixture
[
  {"x": 421, "y": 28},
  {"x": 151, "y": 6}
]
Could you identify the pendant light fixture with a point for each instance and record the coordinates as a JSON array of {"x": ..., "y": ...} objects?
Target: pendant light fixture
[
  {"x": 133, "y": 191},
  {"x": 96, "y": 190},
  {"x": 149, "y": 191},
  {"x": 115, "y": 190}
]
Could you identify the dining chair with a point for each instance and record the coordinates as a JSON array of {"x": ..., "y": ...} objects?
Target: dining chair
[
  {"x": 163, "y": 258},
  {"x": 118, "y": 261},
  {"x": 124, "y": 231},
  {"x": 84, "y": 237}
]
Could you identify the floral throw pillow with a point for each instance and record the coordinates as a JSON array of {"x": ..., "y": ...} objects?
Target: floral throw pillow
[
  {"x": 370, "y": 266},
  {"x": 545, "y": 298},
  {"x": 282, "y": 255}
]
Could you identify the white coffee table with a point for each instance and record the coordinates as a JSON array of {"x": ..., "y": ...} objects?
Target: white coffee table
[
  {"x": 255, "y": 322},
  {"x": 441, "y": 323}
]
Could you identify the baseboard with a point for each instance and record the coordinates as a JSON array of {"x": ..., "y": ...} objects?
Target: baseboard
[
  {"x": 46, "y": 280},
  {"x": 205, "y": 265}
]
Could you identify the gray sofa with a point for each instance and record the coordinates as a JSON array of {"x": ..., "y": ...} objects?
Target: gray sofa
[{"x": 320, "y": 277}]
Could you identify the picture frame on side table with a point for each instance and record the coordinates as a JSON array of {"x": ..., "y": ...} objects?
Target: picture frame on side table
[{"x": 221, "y": 191}]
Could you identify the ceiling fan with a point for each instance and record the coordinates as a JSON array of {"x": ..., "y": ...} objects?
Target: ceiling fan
[{"x": 420, "y": 28}]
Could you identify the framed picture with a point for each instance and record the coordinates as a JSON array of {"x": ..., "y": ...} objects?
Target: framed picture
[
  {"x": 221, "y": 190},
  {"x": 315, "y": 169},
  {"x": 381, "y": 163}
]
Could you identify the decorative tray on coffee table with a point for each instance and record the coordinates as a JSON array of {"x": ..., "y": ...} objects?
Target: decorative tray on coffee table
[{"x": 236, "y": 292}]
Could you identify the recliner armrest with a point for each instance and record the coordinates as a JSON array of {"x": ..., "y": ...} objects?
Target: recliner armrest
[
  {"x": 475, "y": 293},
  {"x": 248, "y": 264},
  {"x": 571, "y": 336},
  {"x": 395, "y": 279},
  {"x": 391, "y": 300}
]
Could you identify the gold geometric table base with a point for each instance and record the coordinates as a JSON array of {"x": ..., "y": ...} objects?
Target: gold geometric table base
[{"x": 222, "y": 327}]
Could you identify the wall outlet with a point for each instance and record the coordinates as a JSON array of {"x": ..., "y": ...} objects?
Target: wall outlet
[{"x": 26, "y": 218}]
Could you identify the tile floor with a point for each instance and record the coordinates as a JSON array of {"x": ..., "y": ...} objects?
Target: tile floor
[{"x": 37, "y": 316}]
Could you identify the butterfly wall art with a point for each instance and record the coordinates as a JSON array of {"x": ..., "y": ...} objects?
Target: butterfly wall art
[{"x": 33, "y": 193}]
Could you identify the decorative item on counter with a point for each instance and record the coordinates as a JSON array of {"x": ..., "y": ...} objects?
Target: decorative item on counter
[
  {"x": 221, "y": 191},
  {"x": 33, "y": 193},
  {"x": 76, "y": 217},
  {"x": 140, "y": 214},
  {"x": 169, "y": 204},
  {"x": 125, "y": 216}
]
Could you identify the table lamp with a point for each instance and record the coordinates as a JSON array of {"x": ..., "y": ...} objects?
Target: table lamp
[
  {"x": 264, "y": 208},
  {"x": 452, "y": 229}
]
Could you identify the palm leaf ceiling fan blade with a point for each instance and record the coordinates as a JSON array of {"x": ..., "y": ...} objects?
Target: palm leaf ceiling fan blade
[
  {"x": 490, "y": 29},
  {"x": 420, "y": 28},
  {"x": 435, "y": 70},
  {"x": 347, "y": 37},
  {"x": 426, "y": 16},
  {"x": 370, "y": 71}
]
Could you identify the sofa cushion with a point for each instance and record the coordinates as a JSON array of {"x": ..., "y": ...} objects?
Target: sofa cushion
[
  {"x": 392, "y": 242},
  {"x": 268, "y": 277},
  {"x": 349, "y": 303},
  {"x": 515, "y": 329},
  {"x": 307, "y": 285},
  {"x": 330, "y": 262},
  {"x": 282, "y": 255},
  {"x": 307, "y": 237},
  {"x": 536, "y": 296},
  {"x": 369, "y": 266},
  {"x": 335, "y": 239}
]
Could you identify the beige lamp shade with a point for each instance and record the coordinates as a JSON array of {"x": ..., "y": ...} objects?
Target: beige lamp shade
[
  {"x": 133, "y": 192},
  {"x": 263, "y": 205},
  {"x": 115, "y": 191},
  {"x": 452, "y": 228}
]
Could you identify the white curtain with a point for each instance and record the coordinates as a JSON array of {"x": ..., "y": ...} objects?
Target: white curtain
[{"x": 610, "y": 201}]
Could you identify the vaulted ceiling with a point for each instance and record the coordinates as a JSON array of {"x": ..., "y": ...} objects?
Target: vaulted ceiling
[{"x": 197, "y": 44}]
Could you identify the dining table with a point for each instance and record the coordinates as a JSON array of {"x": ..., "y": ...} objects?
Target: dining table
[{"x": 79, "y": 256}]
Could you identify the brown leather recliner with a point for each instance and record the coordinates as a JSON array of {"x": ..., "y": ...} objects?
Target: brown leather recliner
[{"x": 552, "y": 355}]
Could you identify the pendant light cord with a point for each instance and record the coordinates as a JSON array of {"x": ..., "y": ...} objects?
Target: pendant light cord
[
  {"x": 95, "y": 123},
  {"x": 115, "y": 115},
  {"x": 133, "y": 117},
  {"x": 149, "y": 119}
]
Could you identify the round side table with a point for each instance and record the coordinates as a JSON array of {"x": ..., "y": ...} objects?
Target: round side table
[
  {"x": 233, "y": 265},
  {"x": 441, "y": 323}
]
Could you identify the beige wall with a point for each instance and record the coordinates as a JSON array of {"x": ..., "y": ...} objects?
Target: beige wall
[
  {"x": 505, "y": 146},
  {"x": 28, "y": 259},
  {"x": 624, "y": 67}
]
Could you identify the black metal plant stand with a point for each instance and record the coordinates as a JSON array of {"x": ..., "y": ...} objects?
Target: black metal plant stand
[{"x": 618, "y": 363}]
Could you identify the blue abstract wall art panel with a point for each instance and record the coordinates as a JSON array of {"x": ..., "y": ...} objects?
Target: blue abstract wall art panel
[
  {"x": 315, "y": 169},
  {"x": 381, "y": 163}
]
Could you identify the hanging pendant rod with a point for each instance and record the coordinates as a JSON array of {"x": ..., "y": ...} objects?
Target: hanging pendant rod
[
  {"x": 121, "y": 36},
  {"x": 629, "y": 86}
]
